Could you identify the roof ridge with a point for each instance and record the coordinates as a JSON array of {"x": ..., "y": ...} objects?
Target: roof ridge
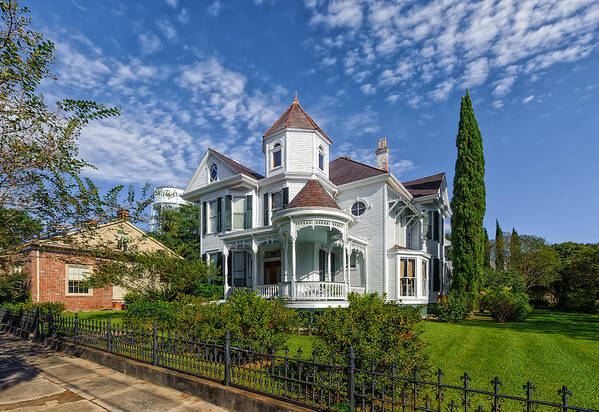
[
  {"x": 226, "y": 158},
  {"x": 360, "y": 163},
  {"x": 422, "y": 178}
]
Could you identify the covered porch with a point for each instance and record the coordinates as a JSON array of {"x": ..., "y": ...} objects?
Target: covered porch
[{"x": 309, "y": 260}]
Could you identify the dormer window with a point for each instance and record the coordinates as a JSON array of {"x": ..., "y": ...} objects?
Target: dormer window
[
  {"x": 276, "y": 155},
  {"x": 213, "y": 172},
  {"x": 321, "y": 158}
]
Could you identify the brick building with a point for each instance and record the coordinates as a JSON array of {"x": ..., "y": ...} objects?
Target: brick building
[{"x": 59, "y": 266}]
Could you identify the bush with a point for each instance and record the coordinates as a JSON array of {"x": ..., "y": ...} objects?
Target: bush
[
  {"x": 506, "y": 305},
  {"x": 385, "y": 333},
  {"x": 498, "y": 279},
  {"x": 249, "y": 318},
  {"x": 56, "y": 307},
  {"x": 14, "y": 285},
  {"x": 454, "y": 309}
]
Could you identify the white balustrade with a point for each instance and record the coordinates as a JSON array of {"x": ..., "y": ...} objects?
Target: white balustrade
[
  {"x": 268, "y": 291},
  {"x": 358, "y": 290},
  {"x": 320, "y": 291}
]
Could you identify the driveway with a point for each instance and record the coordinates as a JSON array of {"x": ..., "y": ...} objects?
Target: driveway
[{"x": 33, "y": 378}]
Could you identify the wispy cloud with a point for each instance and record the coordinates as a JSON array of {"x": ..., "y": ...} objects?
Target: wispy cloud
[
  {"x": 150, "y": 43},
  {"x": 410, "y": 48}
]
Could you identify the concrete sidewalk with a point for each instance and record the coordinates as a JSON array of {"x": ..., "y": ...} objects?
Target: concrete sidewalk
[{"x": 33, "y": 378}]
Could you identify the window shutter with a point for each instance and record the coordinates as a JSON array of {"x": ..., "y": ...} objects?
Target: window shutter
[
  {"x": 436, "y": 275},
  {"x": 429, "y": 225},
  {"x": 204, "y": 221},
  {"x": 219, "y": 214},
  {"x": 248, "y": 211},
  {"x": 436, "y": 226},
  {"x": 228, "y": 213},
  {"x": 285, "y": 197},
  {"x": 204, "y": 258},
  {"x": 230, "y": 269},
  {"x": 265, "y": 209}
]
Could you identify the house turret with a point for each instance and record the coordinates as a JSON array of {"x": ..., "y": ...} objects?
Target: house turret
[{"x": 310, "y": 145}]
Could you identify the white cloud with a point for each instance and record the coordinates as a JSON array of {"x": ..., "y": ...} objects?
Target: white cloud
[
  {"x": 472, "y": 40},
  {"x": 442, "y": 90},
  {"x": 368, "y": 89},
  {"x": 183, "y": 16},
  {"x": 214, "y": 8},
  {"x": 150, "y": 43},
  {"x": 528, "y": 99},
  {"x": 167, "y": 29},
  {"x": 172, "y": 3}
]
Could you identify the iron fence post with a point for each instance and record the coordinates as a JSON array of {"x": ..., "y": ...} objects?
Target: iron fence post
[
  {"x": 75, "y": 328},
  {"x": 50, "y": 322},
  {"x": 227, "y": 380},
  {"x": 36, "y": 323},
  {"x": 154, "y": 344},
  {"x": 20, "y": 321},
  {"x": 351, "y": 384},
  {"x": 108, "y": 337}
]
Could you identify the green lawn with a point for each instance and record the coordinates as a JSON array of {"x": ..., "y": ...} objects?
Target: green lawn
[
  {"x": 550, "y": 349},
  {"x": 116, "y": 316}
]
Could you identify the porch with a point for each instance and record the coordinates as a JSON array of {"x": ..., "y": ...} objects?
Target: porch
[{"x": 311, "y": 262}]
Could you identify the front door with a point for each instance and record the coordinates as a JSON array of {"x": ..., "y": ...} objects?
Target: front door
[{"x": 272, "y": 272}]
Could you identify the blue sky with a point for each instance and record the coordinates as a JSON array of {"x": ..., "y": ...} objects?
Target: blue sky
[{"x": 190, "y": 75}]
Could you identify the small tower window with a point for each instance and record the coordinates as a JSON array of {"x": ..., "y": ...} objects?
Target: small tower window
[
  {"x": 358, "y": 208},
  {"x": 213, "y": 172},
  {"x": 321, "y": 158},
  {"x": 276, "y": 155}
]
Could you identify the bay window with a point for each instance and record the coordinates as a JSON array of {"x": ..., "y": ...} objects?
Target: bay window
[{"x": 407, "y": 277}]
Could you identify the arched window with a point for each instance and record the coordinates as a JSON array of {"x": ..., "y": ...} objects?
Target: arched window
[
  {"x": 276, "y": 155},
  {"x": 358, "y": 208},
  {"x": 320, "y": 158},
  {"x": 213, "y": 172}
]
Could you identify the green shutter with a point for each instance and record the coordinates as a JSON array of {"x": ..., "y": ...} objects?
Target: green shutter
[
  {"x": 248, "y": 212},
  {"x": 228, "y": 213},
  {"x": 436, "y": 227},
  {"x": 204, "y": 257},
  {"x": 265, "y": 209},
  {"x": 204, "y": 221},
  {"x": 285, "y": 197},
  {"x": 219, "y": 215}
]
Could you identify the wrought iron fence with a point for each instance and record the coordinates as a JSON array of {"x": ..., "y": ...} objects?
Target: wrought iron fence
[{"x": 314, "y": 381}]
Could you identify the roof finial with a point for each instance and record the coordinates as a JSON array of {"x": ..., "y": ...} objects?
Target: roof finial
[{"x": 295, "y": 98}]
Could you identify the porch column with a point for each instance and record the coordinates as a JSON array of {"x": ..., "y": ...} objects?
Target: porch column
[
  {"x": 285, "y": 263},
  {"x": 293, "y": 267},
  {"x": 349, "y": 253},
  {"x": 225, "y": 271},
  {"x": 344, "y": 263},
  {"x": 254, "y": 264},
  {"x": 366, "y": 269},
  {"x": 330, "y": 275},
  {"x": 418, "y": 277}
]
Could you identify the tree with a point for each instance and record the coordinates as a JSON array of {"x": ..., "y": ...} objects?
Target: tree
[
  {"x": 468, "y": 203},
  {"x": 487, "y": 247},
  {"x": 538, "y": 265},
  {"x": 515, "y": 250},
  {"x": 179, "y": 230},
  {"x": 42, "y": 193},
  {"x": 499, "y": 247}
]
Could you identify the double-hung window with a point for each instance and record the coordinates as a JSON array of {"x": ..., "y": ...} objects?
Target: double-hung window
[
  {"x": 212, "y": 216},
  {"x": 239, "y": 208},
  {"x": 277, "y": 202},
  {"x": 321, "y": 158},
  {"x": 424, "y": 278},
  {"x": 76, "y": 276},
  {"x": 408, "y": 277},
  {"x": 277, "y": 155}
]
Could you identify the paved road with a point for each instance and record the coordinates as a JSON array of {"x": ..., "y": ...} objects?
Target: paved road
[{"x": 33, "y": 378}]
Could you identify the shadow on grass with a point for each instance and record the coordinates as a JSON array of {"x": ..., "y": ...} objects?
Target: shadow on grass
[{"x": 575, "y": 325}]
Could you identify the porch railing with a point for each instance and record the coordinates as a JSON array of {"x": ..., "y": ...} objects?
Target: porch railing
[
  {"x": 320, "y": 291},
  {"x": 269, "y": 291}
]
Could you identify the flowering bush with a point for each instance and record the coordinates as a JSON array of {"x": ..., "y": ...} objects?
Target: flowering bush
[{"x": 381, "y": 332}]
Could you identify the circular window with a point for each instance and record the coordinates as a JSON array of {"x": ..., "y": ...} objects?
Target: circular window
[{"x": 358, "y": 208}]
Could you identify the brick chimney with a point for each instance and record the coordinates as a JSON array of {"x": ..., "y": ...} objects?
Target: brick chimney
[
  {"x": 382, "y": 155},
  {"x": 122, "y": 214}
]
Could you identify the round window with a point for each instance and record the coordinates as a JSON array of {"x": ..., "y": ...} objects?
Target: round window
[{"x": 358, "y": 208}]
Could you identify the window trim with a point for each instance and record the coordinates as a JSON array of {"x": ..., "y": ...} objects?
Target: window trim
[
  {"x": 321, "y": 157},
  {"x": 366, "y": 207},
  {"x": 234, "y": 199},
  {"x": 277, "y": 147},
  {"x": 210, "y": 179},
  {"x": 413, "y": 280},
  {"x": 209, "y": 229},
  {"x": 90, "y": 291}
]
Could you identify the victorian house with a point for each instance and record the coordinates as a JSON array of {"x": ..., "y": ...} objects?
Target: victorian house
[{"x": 313, "y": 229}]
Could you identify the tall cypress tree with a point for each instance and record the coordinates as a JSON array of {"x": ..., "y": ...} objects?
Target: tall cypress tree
[
  {"x": 487, "y": 248},
  {"x": 515, "y": 250},
  {"x": 499, "y": 248},
  {"x": 468, "y": 204}
]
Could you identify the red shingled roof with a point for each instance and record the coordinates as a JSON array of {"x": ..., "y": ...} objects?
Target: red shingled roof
[
  {"x": 344, "y": 170},
  {"x": 425, "y": 186},
  {"x": 237, "y": 167},
  {"x": 297, "y": 117},
  {"x": 313, "y": 194}
]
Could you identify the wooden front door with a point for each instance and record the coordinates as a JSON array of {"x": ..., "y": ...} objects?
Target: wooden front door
[{"x": 272, "y": 272}]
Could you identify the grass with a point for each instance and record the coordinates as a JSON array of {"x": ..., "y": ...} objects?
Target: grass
[
  {"x": 115, "y": 316},
  {"x": 550, "y": 349}
]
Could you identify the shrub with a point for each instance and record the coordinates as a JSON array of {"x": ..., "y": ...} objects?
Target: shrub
[
  {"x": 498, "y": 279},
  {"x": 385, "y": 333},
  {"x": 56, "y": 307},
  {"x": 144, "y": 313},
  {"x": 454, "y": 309},
  {"x": 14, "y": 285},
  {"x": 506, "y": 305}
]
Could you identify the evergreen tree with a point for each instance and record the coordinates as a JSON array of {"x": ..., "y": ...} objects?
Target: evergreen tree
[
  {"x": 487, "y": 246},
  {"x": 515, "y": 250},
  {"x": 499, "y": 247},
  {"x": 468, "y": 203}
]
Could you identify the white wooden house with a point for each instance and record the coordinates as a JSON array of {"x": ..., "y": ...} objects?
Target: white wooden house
[{"x": 313, "y": 230}]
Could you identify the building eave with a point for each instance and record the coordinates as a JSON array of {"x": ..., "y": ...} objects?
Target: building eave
[{"x": 233, "y": 181}]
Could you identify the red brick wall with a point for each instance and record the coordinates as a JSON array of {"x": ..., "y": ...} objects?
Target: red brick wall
[{"x": 52, "y": 277}]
